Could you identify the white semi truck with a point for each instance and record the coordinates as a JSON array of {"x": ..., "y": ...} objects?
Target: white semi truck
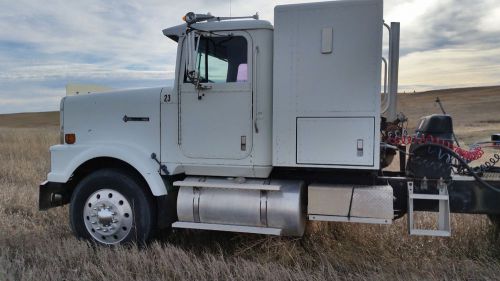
[{"x": 265, "y": 127}]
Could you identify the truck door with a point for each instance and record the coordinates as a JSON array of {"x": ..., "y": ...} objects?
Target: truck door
[{"x": 215, "y": 118}]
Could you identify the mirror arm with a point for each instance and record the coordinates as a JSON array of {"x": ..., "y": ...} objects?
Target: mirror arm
[
  {"x": 191, "y": 56},
  {"x": 192, "y": 60}
]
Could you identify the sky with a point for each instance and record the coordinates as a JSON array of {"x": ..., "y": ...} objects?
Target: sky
[{"x": 45, "y": 45}]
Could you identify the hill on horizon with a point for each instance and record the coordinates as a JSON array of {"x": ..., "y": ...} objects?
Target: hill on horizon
[
  {"x": 478, "y": 105},
  {"x": 30, "y": 119}
]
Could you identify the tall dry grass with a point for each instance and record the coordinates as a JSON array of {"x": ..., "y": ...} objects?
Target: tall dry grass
[{"x": 40, "y": 246}]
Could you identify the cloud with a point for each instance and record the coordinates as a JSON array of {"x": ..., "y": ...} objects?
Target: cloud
[
  {"x": 44, "y": 95},
  {"x": 86, "y": 70},
  {"x": 490, "y": 22},
  {"x": 450, "y": 68},
  {"x": 46, "y": 44}
]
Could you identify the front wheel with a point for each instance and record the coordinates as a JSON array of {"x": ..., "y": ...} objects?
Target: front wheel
[{"x": 111, "y": 207}]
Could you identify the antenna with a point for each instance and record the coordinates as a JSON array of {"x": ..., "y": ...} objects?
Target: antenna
[
  {"x": 230, "y": 9},
  {"x": 191, "y": 18}
]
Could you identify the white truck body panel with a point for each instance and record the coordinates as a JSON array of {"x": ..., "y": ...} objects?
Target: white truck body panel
[
  {"x": 203, "y": 136},
  {"x": 97, "y": 121},
  {"x": 322, "y": 134},
  {"x": 65, "y": 159},
  {"x": 327, "y": 69}
]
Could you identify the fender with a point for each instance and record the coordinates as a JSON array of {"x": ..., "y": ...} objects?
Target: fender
[{"x": 66, "y": 159}]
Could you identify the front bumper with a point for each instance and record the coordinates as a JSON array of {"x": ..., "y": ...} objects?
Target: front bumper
[{"x": 53, "y": 194}]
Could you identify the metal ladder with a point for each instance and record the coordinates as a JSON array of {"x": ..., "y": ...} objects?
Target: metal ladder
[{"x": 444, "y": 229}]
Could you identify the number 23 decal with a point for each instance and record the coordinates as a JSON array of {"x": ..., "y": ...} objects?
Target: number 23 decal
[{"x": 167, "y": 98}]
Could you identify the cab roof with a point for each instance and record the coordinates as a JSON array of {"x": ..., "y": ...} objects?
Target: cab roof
[{"x": 175, "y": 32}]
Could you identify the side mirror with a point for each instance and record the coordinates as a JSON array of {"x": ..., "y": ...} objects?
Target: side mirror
[{"x": 190, "y": 59}]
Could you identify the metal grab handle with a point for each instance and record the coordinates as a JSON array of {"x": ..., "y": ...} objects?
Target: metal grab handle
[
  {"x": 254, "y": 77},
  {"x": 387, "y": 98},
  {"x": 393, "y": 71},
  {"x": 385, "y": 74},
  {"x": 390, "y": 106}
]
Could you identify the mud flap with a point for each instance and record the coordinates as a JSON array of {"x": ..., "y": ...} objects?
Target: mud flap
[{"x": 53, "y": 194}]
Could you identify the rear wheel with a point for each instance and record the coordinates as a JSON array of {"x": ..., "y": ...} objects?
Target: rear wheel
[{"x": 111, "y": 207}]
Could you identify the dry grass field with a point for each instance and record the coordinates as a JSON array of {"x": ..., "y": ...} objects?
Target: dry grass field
[
  {"x": 40, "y": 246},
  {"x": 30, "y": 120}
]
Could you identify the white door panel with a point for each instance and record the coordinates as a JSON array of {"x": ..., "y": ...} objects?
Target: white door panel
[
  {"x": 213, "y": 126},
  {"x": 217, "y": 123}
]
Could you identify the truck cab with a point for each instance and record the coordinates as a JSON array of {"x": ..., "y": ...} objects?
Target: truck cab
[
  {"x": 265, "y": 127},
  {"x": 223, "y": 126},
  {"x": 254, "y": 111}
]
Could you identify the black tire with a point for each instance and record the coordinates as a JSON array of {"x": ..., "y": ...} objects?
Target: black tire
[{"x": 136, "y": 227}]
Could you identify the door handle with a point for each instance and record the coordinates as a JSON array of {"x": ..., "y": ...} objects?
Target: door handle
[{"x": 203, "y": 86}]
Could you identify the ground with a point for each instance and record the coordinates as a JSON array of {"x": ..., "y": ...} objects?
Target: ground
[{"x": 40, "y": 246}]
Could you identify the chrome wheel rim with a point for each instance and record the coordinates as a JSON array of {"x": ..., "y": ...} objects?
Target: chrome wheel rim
[{"x": 108, "y": 216}]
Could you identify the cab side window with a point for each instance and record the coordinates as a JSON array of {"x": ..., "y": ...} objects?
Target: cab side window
[{"x": 222, "y": 59}]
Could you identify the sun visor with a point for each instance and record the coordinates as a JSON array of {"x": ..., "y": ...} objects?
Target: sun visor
[{"x": 175, "y": 32}]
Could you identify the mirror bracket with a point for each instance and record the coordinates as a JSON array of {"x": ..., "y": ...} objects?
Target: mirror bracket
[{"x": 191, "y": 46}]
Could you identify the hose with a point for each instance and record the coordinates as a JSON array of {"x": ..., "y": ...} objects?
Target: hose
[
  {"x": 469, "y": 155},
  {"x": 464, "y": 163}
]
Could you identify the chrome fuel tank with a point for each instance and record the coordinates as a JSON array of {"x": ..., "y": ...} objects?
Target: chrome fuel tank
[{"x": 250, "y": 203}]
